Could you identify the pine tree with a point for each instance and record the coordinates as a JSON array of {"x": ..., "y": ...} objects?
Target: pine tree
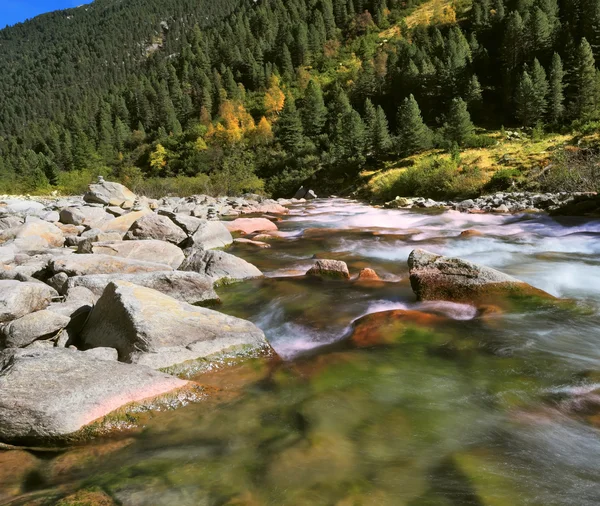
[
  {"x": 289, "y": 132},
  {"x": 541, "y": 30},
  {"x": 314, "y": 112},
  {"x": 413, "y": 134},
  {"x": 585, "y": 81},
  {"x": 556, "y": 96},
  {"x": 349, "y": 146},
  {"x": 474, "y": 93},
  {"x": 378, "y": 139},
  {"x": 540, "y": 85},
  {"x": 459, "y": 126},
  {"x": 525, "y": 99}
]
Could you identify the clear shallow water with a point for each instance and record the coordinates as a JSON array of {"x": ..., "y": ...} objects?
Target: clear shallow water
[{"x": 503, "y": 410}]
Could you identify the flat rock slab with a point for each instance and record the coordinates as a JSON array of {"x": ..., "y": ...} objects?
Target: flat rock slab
[
  {"x": 18, "y": 298},
  {"x": 189, "y": 287},
  {"x": 47, "y": 394},
  {"x": 44, "y": 233},
  {"x": 148, "y": 327},
  {"x": 149, "y": 250},
  {"x": 435, "y": 277},
  {"x": 29, "y": 328},
  {"x": 220, "y": 266},
  {"x": 82, "y": 265},
  {"x": 250, "y": 225},
  {"x": 123, "y": 223},
  {"x": 154, "y": 226}
]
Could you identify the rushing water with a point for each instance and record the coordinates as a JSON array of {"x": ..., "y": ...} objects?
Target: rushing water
[{"x": 497, "y": 412}]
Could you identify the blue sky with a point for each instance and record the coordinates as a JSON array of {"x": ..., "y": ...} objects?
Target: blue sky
[{"x": 14, "y": 11}]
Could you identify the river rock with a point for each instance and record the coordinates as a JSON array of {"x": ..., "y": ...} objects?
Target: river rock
[
  {"x": 250, "y": 225},
  {"x": 367, "y": 274},
  {"x": 123, "y": 223},
  {"x": 329, "y": 269},
  {"x": 109, "y": 194},
  {"x": 154, "y": 226},
  {"x": 41, "y": 232},
  {"x": 78, "y": 298},
  {"x": 18, "y": 298},
  {"x": 219, "y": 266},
  {"x": 189, "y": 287},
  {"x": 148, "y": 250},
  {"x": 151, "y": 328},
  {"x": 11, "y": 221},
  {"x": 82, "y": 265},
  {"x": 435, "y": 277},
  {"x": 470, "y": 232},
  {"x": 249, "y": 242},
  {"x": 210, "y": 235},
  {"x": 47, "y": 394},
  {"x": 23, "y": 331},
  {"x": 86, "y": 215}
]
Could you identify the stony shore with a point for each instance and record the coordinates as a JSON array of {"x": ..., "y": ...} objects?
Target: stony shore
[{"x": 570, "y": 204}]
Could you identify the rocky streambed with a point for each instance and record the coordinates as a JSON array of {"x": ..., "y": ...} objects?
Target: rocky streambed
[{"x": 249, "y": 351}]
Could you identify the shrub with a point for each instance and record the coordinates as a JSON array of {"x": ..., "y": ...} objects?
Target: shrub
[
  {"x": 76, "y": 182},
  {"x": 502, "y": 180},
  {"x": 572, "y": 170},
  {"x": 180, "y": 186}
]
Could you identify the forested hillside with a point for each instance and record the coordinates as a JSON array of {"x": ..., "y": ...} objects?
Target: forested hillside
[{"x": 242, "y": 95}]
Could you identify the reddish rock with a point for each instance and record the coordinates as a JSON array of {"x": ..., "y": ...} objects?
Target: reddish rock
[
  {"x": 254, "y": 244},
  {"x": 368, "y": 275},
  {"x": 471, "y": 233},
  {"x": 250, "y": 225},
  {"x": 385, "y": 327}
]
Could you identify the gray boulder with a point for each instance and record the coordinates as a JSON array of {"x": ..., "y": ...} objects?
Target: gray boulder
[
  {"x": 147, "y": 250},
  {"x": 29, "y": 328},
  {"x": 189, "y": 287},
  {"x": 189, "y": 224},
  {"x": 151, "y": 328},
  {"x": 154, "y": 226},
  {"x": 210, "y": 235},
  {"x": 329, "y": 269},
  {"x": 435, "y": 277},
  {"x": 88, "y": 216},
  {"x": 18, "y": 298},
  {"x": 219, "y": 266},
  {"x": 109, "y": 194},
  {"x": 49, "y": 394},
  {"x": 35, "y": 235},
  {"x": 83, "y": 265}
]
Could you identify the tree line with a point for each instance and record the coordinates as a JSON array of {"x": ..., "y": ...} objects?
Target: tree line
[{"x": 267, "y": 94}]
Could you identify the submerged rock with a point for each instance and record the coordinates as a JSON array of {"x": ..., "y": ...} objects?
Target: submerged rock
[
  {"x": 148, "y": 327},
  {"x": 367, "y": 274},
  {"x": 48, "y": 394},
  {"x": 435, "y": 277},
  {"x": 190, "y": 287},
  {"x": 329, "y": 269},
  {"x": 220, "y": 266},
  {"x": 18, "y": 298}
]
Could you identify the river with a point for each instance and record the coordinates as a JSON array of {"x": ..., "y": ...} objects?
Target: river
[{"x": 497, "y": 411}]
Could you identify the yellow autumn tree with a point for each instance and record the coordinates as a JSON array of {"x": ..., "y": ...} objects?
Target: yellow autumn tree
[
  {"x": 274, "y": 97},
  {"x": 158, "y": 159},
  {"x": 235, "y": 123},
  {"x": 263, "y": 133}
]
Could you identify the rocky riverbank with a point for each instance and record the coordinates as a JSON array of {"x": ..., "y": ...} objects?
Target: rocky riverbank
[
  {"x": 569, "y": 204},
  {"x": 102, "y": 296}
]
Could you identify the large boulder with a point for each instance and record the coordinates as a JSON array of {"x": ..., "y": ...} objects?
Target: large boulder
[
  {"x": 29, "y": 328},
  {"x": 43, "y": 233},
  {"x": 148, "y": 250},
  {"x": 18, "y": 299},
  {"x": 154, "y": 226},
  {"x": 189, "y": 287},
  {"x": 123, "y": 223},
  {"x": 219, "y": 266},
  {"x": 189, "y": 224},
  {"x": 329, "y": 269},
  {"x": 151, "y": 328},
  {"x": 250, "y": 225},
  {"x": 48, "y": 394},
  {"x": 109, "y": 194},
  {"x": 211, "y": 234},
  {"x": 435, "y": 277},
  {"x": 83, "y": 265},
  {"x": 86, "y": 215}
]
